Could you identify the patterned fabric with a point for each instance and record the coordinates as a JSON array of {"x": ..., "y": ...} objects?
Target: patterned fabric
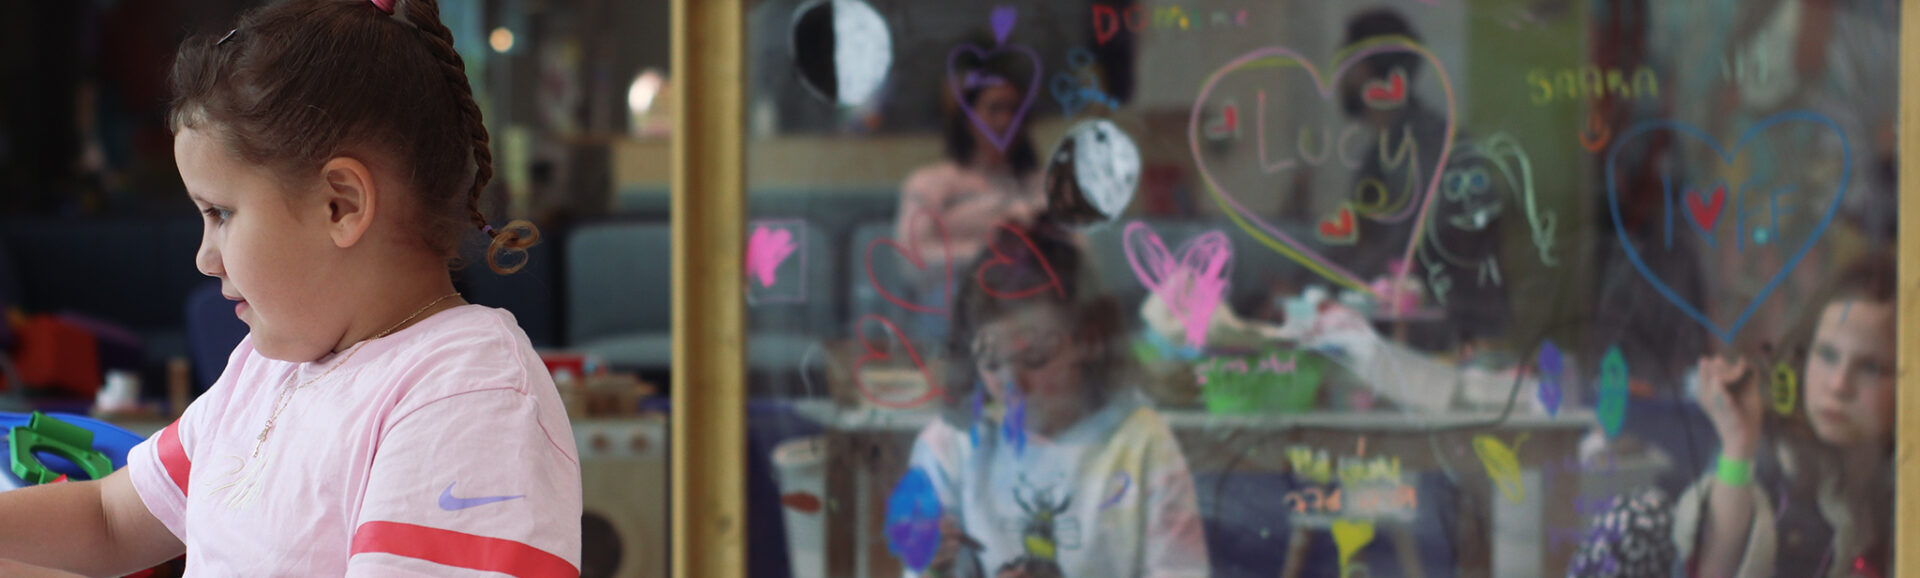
[
  {"x": 1110, "y": 496},
  {"x": 1632, "y": 539}
]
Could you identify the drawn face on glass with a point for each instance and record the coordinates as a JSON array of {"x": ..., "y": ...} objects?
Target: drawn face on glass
[
  {"x": 1472, "y": 200},
  {"x": 1030, "y": 350},
  {"x": 1092, "y": 174},
  {"x": 1849, "y": 382},
  {"x": 842, "y": 49},
  {"x": 1479, "y": 180}
]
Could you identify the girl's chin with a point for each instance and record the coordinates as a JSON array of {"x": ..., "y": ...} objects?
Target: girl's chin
[
  {"x": 287, "y": 351},
  {"x": 1837, "y": 435}
]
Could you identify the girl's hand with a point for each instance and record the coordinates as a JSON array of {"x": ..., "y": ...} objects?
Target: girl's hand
[
  {"x": 1731, "y": 397},
  {"x": 14, "y": 569},
  {"x": 952, "y": 538}
]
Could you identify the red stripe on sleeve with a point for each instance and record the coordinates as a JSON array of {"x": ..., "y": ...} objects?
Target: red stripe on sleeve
[
  {"x": 459, "y": 549},
  {"x": 173, "y": 456}
]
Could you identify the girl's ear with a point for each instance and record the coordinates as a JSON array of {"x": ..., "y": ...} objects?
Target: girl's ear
[{"x": 352, "y": 199}]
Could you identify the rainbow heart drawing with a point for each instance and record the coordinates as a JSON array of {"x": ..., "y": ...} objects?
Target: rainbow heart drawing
[
  {"x": 1705, "y": 212},
  {"x": 1280, "y": 58}
]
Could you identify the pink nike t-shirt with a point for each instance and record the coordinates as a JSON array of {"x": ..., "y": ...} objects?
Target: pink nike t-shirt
[{"x": 440, "y": 450}]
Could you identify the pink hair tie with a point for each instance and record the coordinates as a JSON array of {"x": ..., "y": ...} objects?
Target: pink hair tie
[{"x": 385, "y": 6}]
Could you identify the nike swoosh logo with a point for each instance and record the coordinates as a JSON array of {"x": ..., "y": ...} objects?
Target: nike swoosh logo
[{"x": 452, "y": 504}]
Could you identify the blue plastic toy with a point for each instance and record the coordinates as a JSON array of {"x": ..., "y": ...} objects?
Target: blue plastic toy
[{"x": 43, "y": 447}]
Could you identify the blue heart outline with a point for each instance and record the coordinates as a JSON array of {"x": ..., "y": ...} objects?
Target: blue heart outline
[{"x": 1620, "y": 229}]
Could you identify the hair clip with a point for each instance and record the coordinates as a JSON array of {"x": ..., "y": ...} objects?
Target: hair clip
[
  {"x": 975, "y": 79},
  {"x": 229, "y": 36},
  {"x": 385, "y": 6},
  {"x": 488, "y": 229}
]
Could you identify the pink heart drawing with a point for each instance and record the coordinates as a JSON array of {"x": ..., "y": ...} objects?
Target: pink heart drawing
[
  {"x": 1266, "y": 232},
  {"x": 1000, "y": 139},
  {"x": 1191, "y": 286},
  {"x": 766, "y": 250}
]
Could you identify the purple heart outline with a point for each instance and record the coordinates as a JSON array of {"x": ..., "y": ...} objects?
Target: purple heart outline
[
  {"x": 1620, "y": 230},
  {"x": 1000, "y": 141},
  {"x": 1272, "y": 236}
]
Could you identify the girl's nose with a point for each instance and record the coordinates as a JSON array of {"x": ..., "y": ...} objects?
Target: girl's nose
[{"x": 208, "y": 260}]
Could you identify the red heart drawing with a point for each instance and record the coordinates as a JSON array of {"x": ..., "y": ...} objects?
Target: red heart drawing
[
  {"x": 1310, "y": 255},
  {"x": 1339, "y": 227},
  {"x": 1227, "y": 125},
  {"x": 1387, "y": 94},
  {"x": 912, "y": 253},
  {"x": 803, "y": 502},
  {"x": 1000, "y": 259},
  {"x": 1706, "y": 215},
  {"x": 933, "y": 386}
]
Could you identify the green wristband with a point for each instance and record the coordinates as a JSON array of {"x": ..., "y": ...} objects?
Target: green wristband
[{"x": 1735, "y": 472}]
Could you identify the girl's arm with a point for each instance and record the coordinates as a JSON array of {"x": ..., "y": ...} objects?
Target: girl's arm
[
  {"x": 21, "y": 570},
  {"x": 1176, "y": 545},
  {"x": 1729, "y": 523},
  {"x": 95, "y": 528},
  {"x": 1731, "y": 399},
  {"x": 922, "y": 193}
]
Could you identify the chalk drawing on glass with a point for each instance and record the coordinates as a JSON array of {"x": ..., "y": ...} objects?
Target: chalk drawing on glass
[
  {"x": 776, "y": 261},
  {"x": 841, "y": 49},
  {"x": 1092, "y": 174}
]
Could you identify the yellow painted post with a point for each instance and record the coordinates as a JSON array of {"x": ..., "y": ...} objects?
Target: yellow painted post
[
  {"x": 1907, "y": 511},
  {"x": 709, "y": 340}
]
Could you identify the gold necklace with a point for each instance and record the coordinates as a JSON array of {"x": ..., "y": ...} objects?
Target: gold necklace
[{"x": 286, "y": 393}]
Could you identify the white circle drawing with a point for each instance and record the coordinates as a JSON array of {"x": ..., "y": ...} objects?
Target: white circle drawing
[{"x": 1106, "y": 165}]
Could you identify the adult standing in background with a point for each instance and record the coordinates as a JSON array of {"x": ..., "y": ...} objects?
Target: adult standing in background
[
  {"x": 981, "y": 183},
  {"x": 978, "y": 185}
]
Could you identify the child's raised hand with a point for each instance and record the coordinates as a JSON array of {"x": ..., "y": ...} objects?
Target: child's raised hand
[{"x": 1732, "y": 400}]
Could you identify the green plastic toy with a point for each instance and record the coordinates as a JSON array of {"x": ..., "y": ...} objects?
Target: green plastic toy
[{"x": 48, "y": 434}]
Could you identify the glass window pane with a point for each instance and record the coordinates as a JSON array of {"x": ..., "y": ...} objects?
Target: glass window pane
[{"x": 1123, "y": 288}]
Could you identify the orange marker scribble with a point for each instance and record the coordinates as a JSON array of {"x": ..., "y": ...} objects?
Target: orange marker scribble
[{"x": 1597, "y": 134}]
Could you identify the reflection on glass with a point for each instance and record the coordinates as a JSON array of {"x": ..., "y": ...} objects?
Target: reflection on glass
[
  {"x": 1421, "y": 289},
  {"x": 1059, "y": 466}
]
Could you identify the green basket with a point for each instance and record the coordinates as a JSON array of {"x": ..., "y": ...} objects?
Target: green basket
[{"x": 1276, "y": 381}]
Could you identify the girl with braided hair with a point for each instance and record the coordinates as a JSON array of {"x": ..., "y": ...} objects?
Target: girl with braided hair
[{"x": 372, "y": 423}]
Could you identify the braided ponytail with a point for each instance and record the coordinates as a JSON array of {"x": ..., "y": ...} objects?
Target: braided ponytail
[
  {"x": 297, "y": 82},
  {"x": 519, "y": 234}
]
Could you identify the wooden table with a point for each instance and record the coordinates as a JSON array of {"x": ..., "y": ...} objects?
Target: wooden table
[{"x": 868, "y": 451}]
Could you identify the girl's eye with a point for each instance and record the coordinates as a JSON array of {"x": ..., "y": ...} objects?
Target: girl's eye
[
  {"x": 218, "y": 215},
  {"x": 1826, "y": 354}
]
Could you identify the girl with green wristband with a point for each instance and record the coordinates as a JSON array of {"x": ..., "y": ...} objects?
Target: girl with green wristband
[
  {"x": 1803, "y": 485},
  {"x": 1805, "y": 491}
]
